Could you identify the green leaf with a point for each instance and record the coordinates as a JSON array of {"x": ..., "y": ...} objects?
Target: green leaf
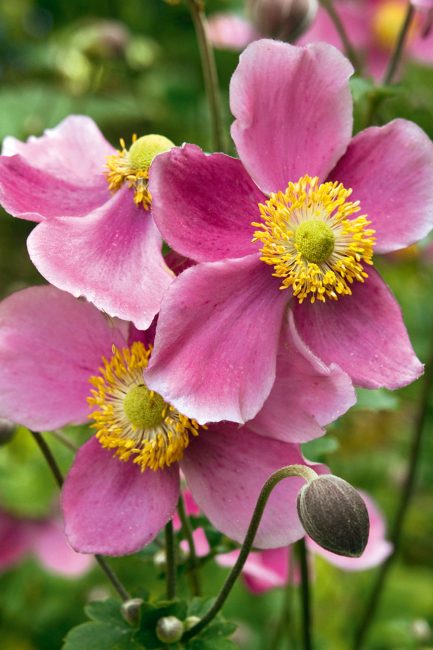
[
  {"x": 315, "y": 449},
  {"x": 99, "y": 636},
  {"x": 212, "y": 643},
  {"x": 151, "y": 613},
  {"x": 376, "y": 400},
  {"x": 106, "y": 611}
]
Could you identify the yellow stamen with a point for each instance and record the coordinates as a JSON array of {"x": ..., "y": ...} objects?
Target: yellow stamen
[
  {"x": 312, "y": 242},
  {"x": 387, "y": 22},
  {"x": 132, "y": 166},
  {"x": 132, "y": 419}
]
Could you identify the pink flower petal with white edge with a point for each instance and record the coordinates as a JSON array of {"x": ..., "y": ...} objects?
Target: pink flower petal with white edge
[
  {"x": 226, "y": 468},
  {"x": 216, "y": 340},
  {"x": 307, "y": 394},
  {"x": 112, "y": 257},
  {"x": 390, "y": 170},
  {"x": 204, "y": 204},
  {"x": 54, "y": 553},
  {"x": 377, "y": 550},
  {"x": 363, "y": 333},
  {"x": 50, "y": 345},
  {"x": 110, "y": 506},
  {"x": 293, "y": 111},
  {"x": 15, "y": 540}
]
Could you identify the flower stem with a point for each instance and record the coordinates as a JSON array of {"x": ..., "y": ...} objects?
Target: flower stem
[
  {"x": 58, "y": 477},
  {"x": 307, "y": 626},
  {"x": 170, "y": 553},
  {"x": 209, "y": 72},
  {"x": 405, "y": 498},
  {"x": 399, "y": 46},
  {"x": 301, "y": 471},
  {"x": 188, "y": 532},
  {"x": 286, "y": 618},
  {"x": 341, "y": 31},
  {"x": 60, "y": 436}
]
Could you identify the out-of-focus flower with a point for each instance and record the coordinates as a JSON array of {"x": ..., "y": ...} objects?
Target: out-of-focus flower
[
  {"x": 96, "y": 236},
  {"x": 228, "y": 31},
  {"x": 281, "y": 19},
  {"x": 124, "y": 484},
  {"x": 277, "y": 229}
]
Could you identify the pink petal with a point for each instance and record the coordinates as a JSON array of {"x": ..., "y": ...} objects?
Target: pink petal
[
  {"x": 54, "y": 552},
  {"x": 201, "y": 544},
  {"x": 355, "y": 18},
  {"x": 363, "y": 333},
  {"x": 15, "y": 540},
  {"x": 228, "y": 31},
  {"x": 204, "y": 205},
  {"x": 390, "y": 170},
  {"x": 293, "y": 111},
  {"x": 111, "y": 256},
  {"x": 113, "y": 508},
  {"x": 263, "y": 570},
  {"x": 50, "y": 345},
  {"x": 376, "y": 551},
  {"x": 306, "y": 396},
  {"x": 210, "y": 340},
  {"x": 226, "y": 467}
]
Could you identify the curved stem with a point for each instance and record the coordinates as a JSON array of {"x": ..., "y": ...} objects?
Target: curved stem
[
  {"x": 58, "y": 477},
  {"x": 188, "y": 532},
  {"x": 301, "y": 471},
  {"x": 405, "y": 498},
  {"x": 307, "y": 626},
  {"x": 341, "y": 31},
  {"x": 399, "y": 46},
  {"x": 209, "y": 72},
  {"x": 170, "y": 554}
]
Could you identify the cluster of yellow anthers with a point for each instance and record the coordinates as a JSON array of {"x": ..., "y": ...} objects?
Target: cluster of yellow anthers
[
  {"x": 131, "y": 418},
  {"x": 312, "y": 242}
]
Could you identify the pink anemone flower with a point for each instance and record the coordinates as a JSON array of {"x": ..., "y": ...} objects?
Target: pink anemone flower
[
  {"x": 228, "y": 31},
  {"x": 265, "y": 570},
  {"x": 43, "y": 538},
  {"x": 276, "y": 229},
  {"x": 96, "y": 236},
  {"x": 124, "y": 484}
]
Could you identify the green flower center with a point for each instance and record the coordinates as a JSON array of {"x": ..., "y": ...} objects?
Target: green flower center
[
  {"x": 144, "y": 408},
  {"x": 143, "y": 151},
  {"x": 315, "y": 240}
]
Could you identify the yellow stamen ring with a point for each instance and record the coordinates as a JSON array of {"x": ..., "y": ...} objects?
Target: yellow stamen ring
[
  {"x": 131, "y": 418},
  {"x": 310, "y": 237}
]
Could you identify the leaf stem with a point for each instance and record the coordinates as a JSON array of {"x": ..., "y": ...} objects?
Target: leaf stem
[
  {"x": 305, "y": 592},
  {"x": 188, "y": 532},
  {"x": 399, "y": 46},
  {"x": 170, "y": 554}
]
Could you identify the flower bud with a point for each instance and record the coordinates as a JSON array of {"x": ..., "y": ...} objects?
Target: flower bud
[
  {"x": 169, "y": 629},
  {"x": 190, "y": 622},
  {"x": 334, "y": 515},
  {"x": 7, "y": 431},
  {"x": 131, "y": 611},
  {"x": 282, "y": 19}
]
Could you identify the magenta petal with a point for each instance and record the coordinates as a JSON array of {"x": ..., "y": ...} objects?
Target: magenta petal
[
  {"x": 50, "y": 345},
  {"x": 54, "y": 553},
  {"x": 263, "y": 570},
  {"x": 363, "y": 333},
  {"x": 113, "y": 508},
  {"x": 307, "y": 394},
  {"x": 293, "y": 111},
  {"x": 211, "y": 360},
  {"x": 226, "y": 467},
  {"x": 204, "y": 205},
  {"x": 15, "y": 540},
  {"x": 111, "y": 256},
  {"x": 390, "y": 170}
]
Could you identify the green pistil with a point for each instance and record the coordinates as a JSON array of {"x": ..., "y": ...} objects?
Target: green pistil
[
  {"x": 315, "y": 240},
  {"x": 144, "y": 150},
  {"x": 143, "y": 408}
]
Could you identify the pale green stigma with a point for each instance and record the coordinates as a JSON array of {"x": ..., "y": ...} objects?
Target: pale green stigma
[
  {"x": 144, "y": 150},
  {"x": 315, "y": 240},
  {"x": 144, "y": 408}
]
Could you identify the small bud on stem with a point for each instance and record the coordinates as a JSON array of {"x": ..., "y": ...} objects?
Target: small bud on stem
[
  {"x": 169, "y": 629},
  {"x": 131, "y": 611}
]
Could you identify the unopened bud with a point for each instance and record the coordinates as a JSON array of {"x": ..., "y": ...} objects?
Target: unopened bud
[
  {"x": 282, "y": 19},
  {"x": 190, "y": 622},
  {"x": 169, "y": 629},
  {"x": 334, "y": 515},
  {"x": 160, "y": 559},
  {"x": 131, "y": 611},
  {"x": 7, "y": 431}
]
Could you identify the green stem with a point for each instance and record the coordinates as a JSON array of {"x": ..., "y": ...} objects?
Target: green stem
[
  {"x": 341, "y": 31},
  {"x": 170, "y": 555},
  {"x": 64, "y": 440},
  {"x": 301, "y": 471},
  {"x": 399, "y": 46},
  {"x": 209, "y": 72},
  {"x": 285, "y": 622},
  {"x": 58, "y": 477},
  {"x": 307, "y": 625},
  {"x": 405, "y": 498},
  {"x": 188, "y": 533}
]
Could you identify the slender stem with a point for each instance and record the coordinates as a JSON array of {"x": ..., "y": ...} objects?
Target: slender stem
[
  {"x": 209, "y": 72},
  {"x": 170, "y": 553},
  {"x": 188, "y": 532},
  {"x": 285, "y": 622},
  {"x": 60, "y": 436},
  {"x": 405, "y": 498},
  {"x": 307, "y": 625},
  {"x": 58, "y": 476},
  {"x": 341, "y": 31},
  {"x": 301, "y": 471},
  {"x": 399, "y": 46}
]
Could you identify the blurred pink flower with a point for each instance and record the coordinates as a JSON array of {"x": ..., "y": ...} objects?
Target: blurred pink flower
[
  {"x": 88, "y": 242},
  {"x": 247, "y": 221},
  {"x": 228, "y": 31}
]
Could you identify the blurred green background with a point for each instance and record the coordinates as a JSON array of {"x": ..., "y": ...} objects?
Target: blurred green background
[{"x": 133, "y": 66}]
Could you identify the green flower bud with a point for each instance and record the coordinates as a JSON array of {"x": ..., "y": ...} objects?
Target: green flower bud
[
  {"x": 334, "y": 515},
  {"x": 131, "y": 611},
  {"x": 169, "y": 629}
]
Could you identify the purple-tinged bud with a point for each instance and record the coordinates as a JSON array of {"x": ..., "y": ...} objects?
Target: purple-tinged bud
[
  {"x": 131, "y": 611},
  {"x": 169, "y": 629},
  {"x": 7, "y": 431},
  {"x": 334, "y": 515},
  {"x": 282, "y": 19}
]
